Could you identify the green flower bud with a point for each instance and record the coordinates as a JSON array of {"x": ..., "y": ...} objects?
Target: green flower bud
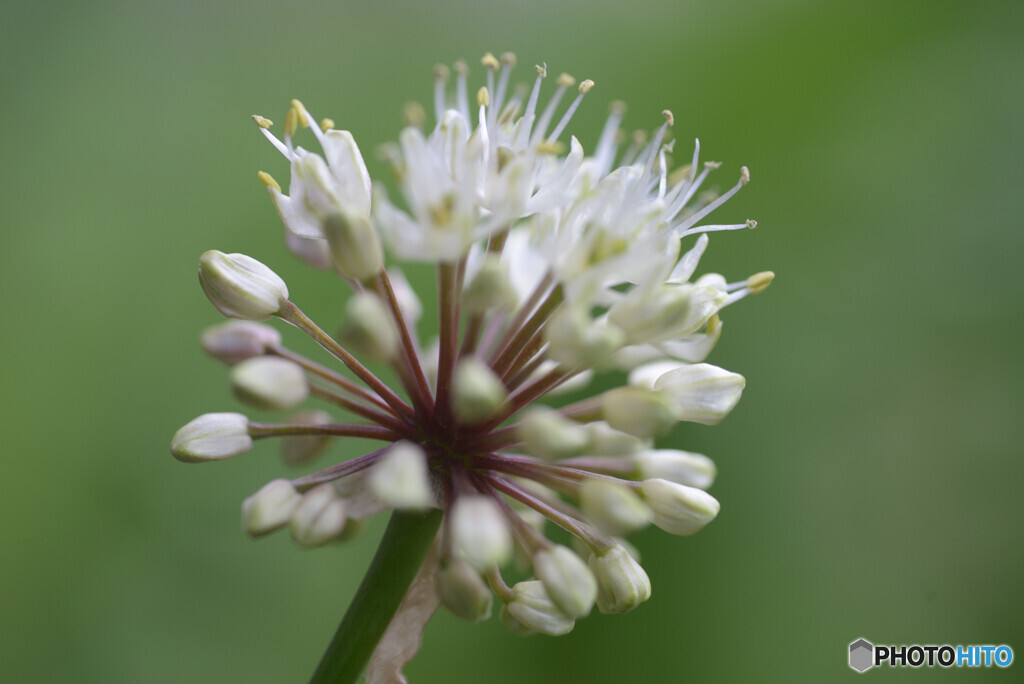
[
  {"x": 270, "y": 508},
  {"x": 369, "y": 328},
  {"x": 400, "y": 479},
  {"x": 679, "y": 509},
  {"x": 489, "y": 288},
  {"x": 463, "y": 591},
  {"x": 355, "y": 245},
  {"x": 212, "y": 437},
  {"x": 477, "y": 393},
  {"x": 702, "y": 393},
  {"x": 684, "y": 467},
  {"x": 480, "y": 533},
  {"x": 299, "y": 449},
  {"x": 319, "y": 517},
  {"x": 568, "y": 581},
  {"x": 613, "y": 507},
  {"x": 638, "y": 411},
  {"x": 547, "y": 434},
  {"x": 270, "y": 383},
  {"x": 235, "y": 341},
  {"x": 241, "y": 287},
  {"x": 534, "y": 611},
  {"x": 622, "y": 584}
]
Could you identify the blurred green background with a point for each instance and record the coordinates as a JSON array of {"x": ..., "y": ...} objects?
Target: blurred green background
[{"x": 870, "y": 479}]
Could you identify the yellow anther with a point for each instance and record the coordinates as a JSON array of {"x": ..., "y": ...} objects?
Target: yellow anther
[
  {"x": 586, "y": 85},
  {"x": 508, "y": 59},
  {"x": 712, "y": 165},
  {"x": 482, "y": 97},
  {"x": 680, "y": 174},
  {"x": 744, "y": 175},
  {"x": 414, "y": 114},
  {"x": 461, "y": 67},
  {"x": 758, "y": 282},
  {"x": 268, "y": 180},
  {"x": 639, "y": 138},
  {"x": 617, "y": 107},
  {"x": 291, "y": 122},
  {"x": 554, "y": 147},
  {"x": 542, "y": 69},
  {"x": 440, "y": 72},
  {"x": 301, "y": 113},
  {"x": 751, "y": 223},
  {"x": 326, "y": 124},
  {"x": 713, "y": 323},
  {"x": 490, "y": 61},
  {"x": 566, "y": 80},
  {"x": 262, "y": 121},
  {"x": 667, "y": 113}
]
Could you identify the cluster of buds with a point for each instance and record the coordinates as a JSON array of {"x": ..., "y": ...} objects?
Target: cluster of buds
[{"x": 552, "y": 266}]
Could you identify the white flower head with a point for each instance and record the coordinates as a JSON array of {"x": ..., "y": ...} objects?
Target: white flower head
[{"x": 553, "y": 264}]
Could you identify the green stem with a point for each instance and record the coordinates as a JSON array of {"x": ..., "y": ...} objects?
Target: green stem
[{"x": 401, "y": 551}]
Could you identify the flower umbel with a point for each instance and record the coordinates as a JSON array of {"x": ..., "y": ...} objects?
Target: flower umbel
[{"x": 552, "y": 265}]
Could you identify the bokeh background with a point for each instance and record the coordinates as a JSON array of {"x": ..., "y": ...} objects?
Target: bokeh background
[{"x": 871, "y": 478}]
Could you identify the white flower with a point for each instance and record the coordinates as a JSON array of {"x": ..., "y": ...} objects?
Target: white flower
[{"x": 552, "y": 266}]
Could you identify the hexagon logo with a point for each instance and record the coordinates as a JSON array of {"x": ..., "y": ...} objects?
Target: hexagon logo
[{"x": 862, "y": 654}]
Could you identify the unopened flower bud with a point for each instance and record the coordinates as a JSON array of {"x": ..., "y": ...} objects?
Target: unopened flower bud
[
  {"x": 355, "y": 245},
  {"x": 401, "y": 479},
  {"x": 241, "y": 287},
  {"x": 270, "y": 508},
  {"x": 463, "y": 591},
  {"x": 480, "y": 533},
  {"x": 477, "y": 393},
  {"x": 638, "y": 411},
  {"x": 369, "y": 328},
  {"x": 577, "y": 341},
  {"x": 679, "y": 509},
  {"x": 319, "y": 517},
  {"x": 534, "y": 611},
  {"x": 270, "y": 383},
  {"x": 212, "y": 437},
  {"x": 550, "y": 435},
  {"x": 647, "y": 374},
  {"x": 702, "y": 393},
  {"x": 684, "y": 467},
  {"x": 298, "y": 449},
  {"x": 569, "y": 582},
  {"x": 604, "y": 440},
  {"x": 622, "y": 584},
  {"x": 613, "y": 507},
  {"x": 235, "y": 341},
  {"x": 489, "y": 288}
]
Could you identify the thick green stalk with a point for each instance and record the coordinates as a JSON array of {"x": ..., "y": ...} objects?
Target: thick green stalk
[{"x": 401, "y": 551}]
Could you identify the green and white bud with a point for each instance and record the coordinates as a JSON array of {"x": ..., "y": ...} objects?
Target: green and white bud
[
  {"x": 647, "y": 374},
  {"x": 702, "y": 393},
  {"x": 568, "y": 580},
  {"x": 550, "y": 435},
  {"x": 577, "y": 341},
  {"x": 212, "y": 437},
  {"x": 641, "y": 412},
  {"x": 369, "y": 328},
  {"x": 270, "y": 508},
  {"x": 270, "y": 383},
  {"x": 401, "y": 478},
  {"x": 489, "y": 288},
  {"x": 355, "y": 246},
  {"x": 684, "y": 467},
  {"x": 477, "y": 393},
  {"x": 604, "y": 440},
  {"x": 679, "y": 509},
  {"x": 531, "y": 610},
  {"x": 622, "y": 584},
  {"x": 299, "y": 449},
  {"x": 241, "y": 287},
  {"x": 319, "y": 517},
  {"x": 480, "y": 533},
  {"x": 613, "y": 507},
  {"x": 463, "y": 591},
  {"x": 235, "y": 341}
]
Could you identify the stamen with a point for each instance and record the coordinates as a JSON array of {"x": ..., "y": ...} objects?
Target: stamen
[
  {"x": 585, "y": 87},
  {"x": 683, "y": 228},
  {"x": 281, "y": 147},
  {"x": 508, "y": 60},
  {"x": 414, "y": 114},
  {"x": 461, "y": 97},
  {"x": 440, "y": 80},
  {"x": 564, "y": 81},
  {"x": 261, "y": 121},
  {"x": 531, "y": 108},
  {"x": 268, "y": 180},
  {"x": 305, "y": 120},
  {"x": 604, "y": 154},
  {"x": 651, "y": 152},
  {"x": 328, "y": 124},
  {"x": 491, "y": 63}
]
